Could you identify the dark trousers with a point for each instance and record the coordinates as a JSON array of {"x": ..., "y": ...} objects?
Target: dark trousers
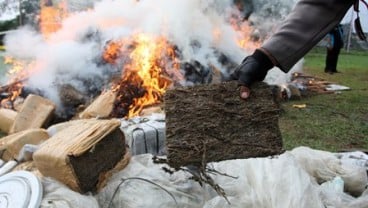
[{"x": 331, "y": 59}]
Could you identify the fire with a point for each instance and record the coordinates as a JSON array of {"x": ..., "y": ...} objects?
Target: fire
[
  {"x": 145, "y": 76},
  {"x": 10, "y": 92},
  {"x": 244, "y": 32},
  {"x": 17, "y": 66},
  {"x": 50, "y": 21},
  {"x": 245, "y": 37},
  {"x": 112, "y": 52},
  {"x": 51, "y": 16},
  {"x": 18, "y": 69},
  {"x": 149, "y": 64}
]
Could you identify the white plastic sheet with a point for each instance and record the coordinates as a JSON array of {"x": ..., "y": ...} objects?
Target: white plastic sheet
[
  {"x": 266, "y": 182},
  {"x": 163, "y": 190},
  {"x": 261, "y": 182},
  {"x": 324, "y": 166},
  {"x": 301, "y": 178},
  {"x": 57, "y": 195}
]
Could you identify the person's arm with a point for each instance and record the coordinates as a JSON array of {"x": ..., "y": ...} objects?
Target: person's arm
[{"x": 307, "y": 24}]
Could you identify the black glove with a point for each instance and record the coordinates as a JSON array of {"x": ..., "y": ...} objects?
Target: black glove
[{"x": 253, "y": 68}]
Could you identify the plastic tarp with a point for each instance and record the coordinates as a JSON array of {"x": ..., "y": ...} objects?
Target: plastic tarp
[
  {"x": 148, "y": 185},
  {"x": 57, "y": 195},
  {"x": 325, "y": 166},
  {"x": 287, "y": 180}
]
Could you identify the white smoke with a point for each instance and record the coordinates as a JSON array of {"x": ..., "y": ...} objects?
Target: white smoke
[
  {"x": 267, "y": 15},
  {"x": 265, "y": 19},
  {"x": 71, "y": 55},
  {"x": 276, "y": 77},
  {"x": 68, "y": 56}
]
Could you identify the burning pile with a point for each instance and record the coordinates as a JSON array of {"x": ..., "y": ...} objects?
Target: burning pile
[
  {"x": 135, "y": 50},
  {"x": 146, "y": 73},
  {"x": 109, "y": 62},
  {"x": 89, "y": 67}
]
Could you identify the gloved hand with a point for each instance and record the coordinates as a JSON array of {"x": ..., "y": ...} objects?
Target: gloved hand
[{"x": 252, "y": 69}]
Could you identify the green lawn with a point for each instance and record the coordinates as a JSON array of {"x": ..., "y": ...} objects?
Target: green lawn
[{"x": 331, "y": 122}]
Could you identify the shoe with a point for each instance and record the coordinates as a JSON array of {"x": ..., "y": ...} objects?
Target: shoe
[{"x": 328, "y": 71}]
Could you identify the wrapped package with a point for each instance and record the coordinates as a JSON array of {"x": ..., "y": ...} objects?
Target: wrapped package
[
  {"x": 82, "y": 153},
  {"x": 145, "y": 134},
  {"x": 101, "y": 107},
  {"x": 36, "y": 112},
  {"x": 7, "y": 118},
  {"x": 12, "y": 144}
]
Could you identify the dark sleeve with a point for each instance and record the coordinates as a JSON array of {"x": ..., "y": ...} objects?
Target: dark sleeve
[{"x": 306, "y": 25}]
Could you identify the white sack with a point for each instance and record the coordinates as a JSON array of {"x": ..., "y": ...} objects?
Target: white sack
[
  {"x": 333, "y": 196},
  {"x": 265, "y": 183},
  {"x": 57, "y": 195},
  {"x": 325, "y": 166},
  {"x": 261, "y": 183},
  {"x": 277, "y": 182},
  {"x": 136, "y": 193}
]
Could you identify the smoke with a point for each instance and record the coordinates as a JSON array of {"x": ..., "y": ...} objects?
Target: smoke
[
  {"x": 276, "y": 77},
  {"x": 267, "y": 16},
  {"x": 72, "y": 55},
  {"x": 24, "y": 43}
]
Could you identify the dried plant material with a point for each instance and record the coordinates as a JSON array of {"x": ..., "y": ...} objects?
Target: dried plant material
[{"x": 212, "y": 123}]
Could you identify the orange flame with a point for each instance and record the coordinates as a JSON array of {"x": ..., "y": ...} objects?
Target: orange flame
[
  {"x": 51, "y": 16},
  {"x": 17, "y": 66},
  {"x": 15, "y": 86},
  {"x": 50, "y": 21},
  {"x": 244, "y": 31},
  {"x": 12, "y": 91},
  {"x": 112, "y": 52},
  {"x": 149, "y": 64}
]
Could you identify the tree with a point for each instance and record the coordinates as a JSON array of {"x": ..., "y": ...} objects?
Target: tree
[
  {"x": 9, "y": 5},
  {"x": 27, "y": 10}
]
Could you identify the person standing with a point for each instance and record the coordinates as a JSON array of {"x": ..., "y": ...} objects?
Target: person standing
[{"x": 334, "y": 45}]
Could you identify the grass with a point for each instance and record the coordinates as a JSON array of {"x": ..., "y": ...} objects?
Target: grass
[{"x": 331, "y": 122}]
